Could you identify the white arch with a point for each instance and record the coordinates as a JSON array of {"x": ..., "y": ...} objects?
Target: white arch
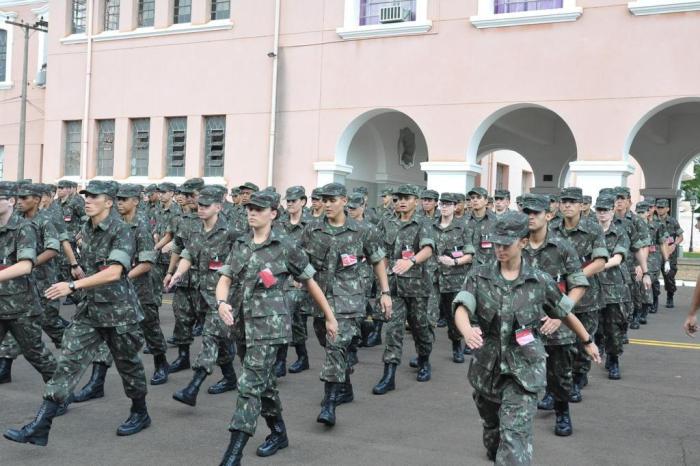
[{"x": 343, "y": 144}]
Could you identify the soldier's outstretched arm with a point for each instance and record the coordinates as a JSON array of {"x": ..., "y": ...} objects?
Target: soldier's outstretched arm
[
  {"x": 23, "y": 267},
  {"x": 317, "y": 295},
  {"x": 110, "y": 274},
  {"x": 223, "y": 286},
  {"x": 691, "y": 322},
  {"x": 577, "y": 327},
  {"x": 472, "y": 335}
]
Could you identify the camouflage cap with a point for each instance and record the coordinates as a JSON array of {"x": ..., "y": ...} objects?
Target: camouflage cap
[
  {"x": 129, "y": 190},
  {"x": 554, "y": 198},
  {"x": 210, "y": 195},
  {"x": 430, "y": 194},
  {"x": 186, "y": 189},
  {"x": 604, "y": 202},
  {"x": 272, "y": 189},
  {"x": 387, "y": 192},
  {"x": 509, "y": 227},
  {"x": 478, "y": 191},
  {"x": 572, "y": 193},
  {"x": 276, "y": 198},
  {"x": 355, "y": 200},
  {"x": 29, "y": 189},
  {"x": 295, "y": 192},
  {"x": 46, "y": 189},
  {"x": 24, "y": 181},
  {"x": 166, "y": 187},
  {"x": 460, "y": 197},
  {"x": 650, "y": 200},
  {"x": 150, "y": 189},
  {"x": 449, "y": 197},
  {"x": 587, "y": 199},
  {"x": 235, "y": 191},
  {"x": 501, "y": 194},
  {"x": 662, "y": 203},
  {"x": 535, "y": 202},
  {"x": 194, "y": 183},
  {"x": 262, "y": 199},
  {"x": 8, "y": 188},
  {"x": 221, "y": 189},
  {"x": 407, "y": 190},
  {"x": 51, "y": 187},
  {"x": 66, "y": 184},
  {"x": 251, "y": 186},
  {"x": 606, "y": 192},
  {"x": 490, "y": 199},
  {"x": 519, "y": 200},
  {"x": 622, "y": 191},
  {"x": 362, "y": 190},
  {"x": 333, "y": 190},
  {"x": 114, "y": 185},
  {"x": 97, "y": 187},
  {"x": 316, "y": 193},
  {"x": 642, "y": 207}
]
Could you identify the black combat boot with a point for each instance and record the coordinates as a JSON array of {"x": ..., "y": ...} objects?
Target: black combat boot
[
  {"x": 188, "y": 395},
  {"x": 387, "y": 383},
  {"x": 413, "y": 362},
  {"x": 234, "y": 452},
  {"x": 277, "y": 439},
  {"x": 226, "y": 384},
  {"x": 669, "y": 301},
  {"x": 442, "y": 322},
  {"x": 37, "y": 431},
  {"x": 424, "y": 369},
  {"x": 281, "y": 361},
  {"x": 375, "y": 336},
  {"x": 634, "y": 324},
  {"x": 352, "y": 357},
  {"x": 655, "y": 305},
  {"x": 5, "y": 370},
  {"x": 147, "y": 350},
  {"x": 138, "y": 419},
  {"x": 366, "y": 328},
  {"x": 546, "y": 403},
  {"x": 467, "y": 350},
  {"x": 171, "y": 341},
  {"x": 302, "y": 362},
  {"x": 183, "y": 359},
  {"x": 563, "y": 427},
  {"x": 575, "y": 395},
  {"x": 162, "y": 369},
  {"x": 95, "y": 388},
  {"x": 643, "y": 314},
  {"x": 457, "y": 352},
  {"x": 614, "y": 369},
  {"x": 327, "y": 414}
]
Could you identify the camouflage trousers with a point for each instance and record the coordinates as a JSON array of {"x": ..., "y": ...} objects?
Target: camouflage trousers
[
  {"x": 257, "y": 389},
  {"x": 336, "y": 364},
  {"x": 26, "y": 331},
  {"x": 298, "y": 305},
  {"x": 186, "y": 309},
  {"x": 508, "y": 422},
  {"x": 446, "y": 312},
  {"x": 582, "y": 363},
  {"x": 560, "y": 360},
  {"x": 218, "y": 346},
  {"x": 434, "y": 304},
  {"x": 415, "y": 311},
  {"x": 614, "y": 322},
  {"x": 80, "y": 344},
  {"x": 51, "y": 323},
  {"x": 670, "y": 278}
]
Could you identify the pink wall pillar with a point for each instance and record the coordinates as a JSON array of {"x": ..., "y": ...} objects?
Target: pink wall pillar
[
  {"x": 163, "y": 15},
  {"x": 122, "y": 138},
  {"x": 128, "y": 12},
  {"x": 195, "y": 132},
  {"x": 200, "y": 12},
  {"x": 157, "y": 146}
]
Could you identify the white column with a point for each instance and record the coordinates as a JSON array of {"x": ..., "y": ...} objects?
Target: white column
[
  {"x": 593, "y": 175},
  {"x": 454, "y": 177},
  {"x": 331, "y": 172}
]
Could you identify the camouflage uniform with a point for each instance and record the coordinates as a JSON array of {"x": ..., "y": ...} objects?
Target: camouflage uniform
[
  {"x": 73, "y": 211},
  {"x": 673, "y": 230},
  {"x": 481, "y": 229},
  {"x": 165, "y": 217},
  {"x": 655, "y": 260}
]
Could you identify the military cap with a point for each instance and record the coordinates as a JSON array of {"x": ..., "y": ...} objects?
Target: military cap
[
  {"x": 362, "y": 190},
  {"x": 642, "y": 207},
  {"x": 316, "y": 193},
  {"x": 622, "y": 191},
  {"x": 210, "y": 195},
  {"x": 150, "y": 189},
  {"x": 276, "y": 197},
  {"x": 114, "y": 185},
  {"x": 460, "y": 197},
  {"x": 662, "y": 203},
  {"x": 535, "y": 202},
  {"x": 248, "y": 185},
  {"x": 606, "y": 192},
  {"x": 51, "y": 187},
  {"x": 509, "y": 227},
  {"x": 100, "y": 187},
  {"x": 129, "y": 190},
  {"x": 449, "y": 197},
  {"x": 519, "y": 200},
  {"x": 387, "y": 192},
  {"x": 605, "y": 202},
  {"x": 220, "y": 189},
  {"x": 24, "y": 181},
  {"x": 587, "y": 199},
  {"x": 272, "y": 189},
  {"x": 333, "y": 190},
  {"x": 194, "y": 183},
  {"x": 554, "y": 198},
  {"x": 186, "y": 189},
  {"x": 490, "y": 200},
  {"x": 572, "y": 193},
  {"x": 429, "y": 194},
  {"x": 501, "y": 194},
  {"x": 650, "y": 200},
  {"x": 262, "y": 199},
  {"x": 407, "y": 190},
  {"x": 166, "y": 187},
  {"x": 66, "y": 184},
  {"x": 46, "y": 189},
  {"x": 355, "y": 200},
  {"x": 235, "y": 191},
  {"x": 479, "y": 191},
  {"x": 29, "y": 189},
  {"x": 8, "y": 188},
  {"x": 295, "y": 192}
]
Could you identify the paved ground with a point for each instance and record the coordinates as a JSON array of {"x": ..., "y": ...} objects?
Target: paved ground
[{"x": 647, "y": 418}]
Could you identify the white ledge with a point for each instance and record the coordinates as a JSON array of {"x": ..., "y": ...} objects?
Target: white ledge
[
  {"x": 601, "y": 166},
  {"x": 450, "y": 167},
  {"x": 655, "y": 7},
  {"x": 74, "y": 39},
  {"x": 4, "y": 85},
  {"x": 329, "y": 166},
  {"x": 521, "y": 18},
  {"x": 385, "y": 30},
  {"x": 216, "y": 25}
]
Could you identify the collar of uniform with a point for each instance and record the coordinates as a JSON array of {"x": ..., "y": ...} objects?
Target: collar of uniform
[
  {"x": 106, "y": 224},
  {"x": 493, "y": 273},
  {"x": 350, "y": 224},
  {"x": 580, "y": 226},
  {"x": 274, "y": 237},
  {"x": 12, "y": 223},
  {"x": 452, "y": 225},
  {"x": 220, "y": 223},
  {"x": 487, "y": 215}
]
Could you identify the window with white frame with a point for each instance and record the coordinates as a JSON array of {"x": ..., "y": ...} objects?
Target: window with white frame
[
  {"x": 372, "y": 18},
  {"x": 220, "y": 9},
  {"x": 111, "y": 17},
  {"x": 140, "y": 143},
  {"x": 512, "y": 6},
  {"x": 386, "y": 11},
  {"x": 500, "y": 13},
  {"x": 146, "y": 13},
  {"x": 182, "y": 11},
  {"x": 105, "y": 147},
  {"x": 3, "y": 56},
  {"x": 71, "y": 152},
  {"x": 177, "y": 144},
  {"x": 215, "y": 127},
  {"x": 78, "y": 16}
]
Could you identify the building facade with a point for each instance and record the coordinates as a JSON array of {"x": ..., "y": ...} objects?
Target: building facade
[{"x": 590, "y": 93}]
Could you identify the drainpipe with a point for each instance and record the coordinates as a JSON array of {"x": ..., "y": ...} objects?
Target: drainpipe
[
  {"x": 273, "y": 103},
  {"x": 86, "y": 110}
]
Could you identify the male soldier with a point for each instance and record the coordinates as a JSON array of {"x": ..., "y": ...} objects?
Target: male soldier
[
  {"x": 167, "y": 211},
  {"x": 675, "y": 237},
  {"x": 20, "y": 309},
  {"x": 260, "y": 264},
  {"x": 555, "y": 207},
  {"x": 506, "y": 302},
  {"x": 454, "y": 251},
  {"x": 207, "y": 247},
  {"x": 480, "y": 223},
  {"x": 236, "y": 196},
  {"x": 460, "y": 208},
  {"x": 107, "y": 312},
  {"x": 589, "y": 242},
  {"x": 519, "y": 203},
  {"x": 151, "y": 206},
  {"x": 658, "y": 253},
  {"x": 501, "y": 199},
  {"x": 429, "y": 199},
  {"x": 557, "y": 257},
  {"x": 240, "y": 222},
  {"x": 387, "y": 207},
  {"x": 408, "y": 244},
  {"x": 586, "y": 210},
  {"x": 430, "y": 213},
  {"x": 336, "y": 247},
  {"x": 489, "y": 203},
  {"x": 316, "y": 204},
  {"x": 614, "y": 290},
  {"x": 73, "y": 209}
]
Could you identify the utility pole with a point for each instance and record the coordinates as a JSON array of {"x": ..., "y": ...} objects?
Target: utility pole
[{"x": 40, "y": 26}]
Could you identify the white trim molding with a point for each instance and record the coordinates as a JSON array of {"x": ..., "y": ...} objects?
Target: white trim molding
[
  {"x": 187, "y": 28},
  {"x": 486, "y": 18},
  {"x": 451, "y": 176},
  {"x": 352, "y": 30},
  {"x": 330, "y": 172},
  {"x": 655, "y": 7},
  {"x": 593, "y": 175},
  {"x": 6, "y": 3},
  {"x": 5, "y": 15}
]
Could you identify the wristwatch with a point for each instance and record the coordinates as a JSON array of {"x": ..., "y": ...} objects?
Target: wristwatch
[
  {"x": 589, "y": 341},
  {"x": 456, "y": 262},
  {"x": 220, "y": 302},
  {"x": 387, "y": 292},
  {"x": 71, "y": 286},
  {"x": 72, "y": 266},
  {"x": 413, "y": 259}
]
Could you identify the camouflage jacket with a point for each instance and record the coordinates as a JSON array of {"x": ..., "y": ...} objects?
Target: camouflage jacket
[
  {"x": 151, "y": 209},
  {"x": 113, "y": 304},
  {"x": 54, "y": 212},
  {"x": 73, "y": 210},
  {"x": 558, "y": 258},
  {"x": 454, "y": 241},
  {"x": 673, "y": 230},
  {"x": 336, "y": 253},
  {"x": 637, "y": 231},
  {"x": 207, "y": 251},
  {"x": 502, "y": 309},
  {"x": 481, "y": 229},
  {"x": 658, "y": 235},
  {"x": 404, "y": 240},
  {"x": 589, "y": 242},
  {"x": 183, "y": 226},
  {"x": 18, "y": 241},
  {"x": 45, "y": 275},
  {"x": 293, "y": 233},
  {"x": 258, "y": 273},
  {"x": 144, "y": 252},
  {"x": 612, "y": 281}
]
